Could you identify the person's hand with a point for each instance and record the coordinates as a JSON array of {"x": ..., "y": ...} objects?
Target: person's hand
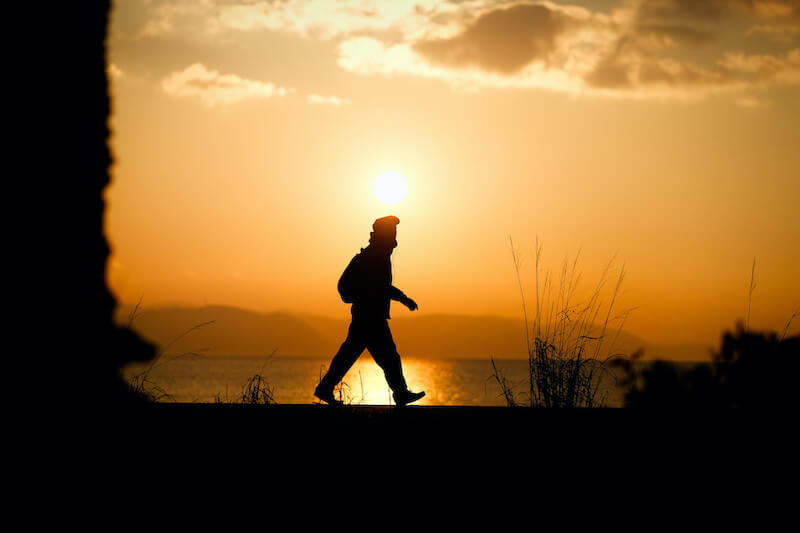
[{"x": 411, "y": 304}]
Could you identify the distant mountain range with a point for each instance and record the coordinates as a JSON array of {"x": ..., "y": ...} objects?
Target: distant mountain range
[{"x": 237, "y": 331}]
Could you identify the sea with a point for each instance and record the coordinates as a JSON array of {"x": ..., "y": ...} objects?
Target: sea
[{"x": 291, "y": 380}]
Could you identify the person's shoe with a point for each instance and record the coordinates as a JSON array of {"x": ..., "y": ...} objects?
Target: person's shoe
[
  {"x": 326, "y": 396},
  {"x": 407, "y": 397}
]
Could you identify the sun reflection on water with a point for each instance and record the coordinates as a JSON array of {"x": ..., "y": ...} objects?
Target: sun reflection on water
[{"x": 366, "y": 384}]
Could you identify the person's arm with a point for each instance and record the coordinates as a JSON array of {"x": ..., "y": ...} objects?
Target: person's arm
[{"x": 397, "y": 294}]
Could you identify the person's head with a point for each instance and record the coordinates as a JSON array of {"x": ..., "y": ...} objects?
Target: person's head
[{"x": 384, "y": 233}]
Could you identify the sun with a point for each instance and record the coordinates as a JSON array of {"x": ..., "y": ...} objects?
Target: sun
[{"x": 390, "y": 187}]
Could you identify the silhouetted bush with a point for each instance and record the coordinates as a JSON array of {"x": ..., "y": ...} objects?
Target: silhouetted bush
[
  {"x": 257, "y": 391},
  {"x": 568, "y": 352},
  {"x": 749, "y": 370}
]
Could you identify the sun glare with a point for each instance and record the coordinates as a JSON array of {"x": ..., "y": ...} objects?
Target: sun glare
[{"x": 390, "y": 187}]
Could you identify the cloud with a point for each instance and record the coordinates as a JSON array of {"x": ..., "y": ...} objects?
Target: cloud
[
  {"x": 769, "y": 9},
  {"x": 683, "y": 9},
  {"x": 327, "y": 100},
  {"x": 165, "y": 15},
  {"x": 637, "y": 49},
  {"x": 368, "y": 56},
  {"x": 501, "y": 40},
  {"x": 749, "y": 102},
  {"x": 324, "y": 18},
  {"x": 655, "y": 54},
  {"x": 711, "y": 10},
  {"x": 670, "y": 35},
  {"x": 214, "y": 88},
  {"x": 522, "y": 45},
  {"x": 763, "y": 68},
  {"x": 780, "y": 33},
  {"x": 527, "y": 44}
]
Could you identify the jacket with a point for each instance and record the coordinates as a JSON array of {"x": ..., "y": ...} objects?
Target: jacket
[{"x": 367, "y": 282}]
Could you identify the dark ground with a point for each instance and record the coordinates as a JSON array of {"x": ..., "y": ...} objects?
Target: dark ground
[
  {"x": 461, "y": 427},
  {"x": 358, "y": 451}
]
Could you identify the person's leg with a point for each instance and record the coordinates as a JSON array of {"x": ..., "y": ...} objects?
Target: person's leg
[
  {"x": 381, "y": 346},
  {"x": 344, "y": 359}
]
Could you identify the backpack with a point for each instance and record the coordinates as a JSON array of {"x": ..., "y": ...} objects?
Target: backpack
[{"x": 347, "y": 283}]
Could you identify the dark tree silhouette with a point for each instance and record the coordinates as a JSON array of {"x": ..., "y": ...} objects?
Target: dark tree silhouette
[
  {"x": 751, "y": 369},
  {"x": 66, "y": 158}
]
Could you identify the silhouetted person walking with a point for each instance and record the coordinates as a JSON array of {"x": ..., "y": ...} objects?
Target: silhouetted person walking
[{"x": 367, "y": 284}]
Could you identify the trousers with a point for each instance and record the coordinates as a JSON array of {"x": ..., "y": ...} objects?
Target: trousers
[{"x": 373, "y": 334}]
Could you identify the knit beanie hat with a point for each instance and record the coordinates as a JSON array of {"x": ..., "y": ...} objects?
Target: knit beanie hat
[{"x": 386, "y": 225}]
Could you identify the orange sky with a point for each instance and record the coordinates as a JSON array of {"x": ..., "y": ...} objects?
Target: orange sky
[{"x": 247, "y": 136}]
